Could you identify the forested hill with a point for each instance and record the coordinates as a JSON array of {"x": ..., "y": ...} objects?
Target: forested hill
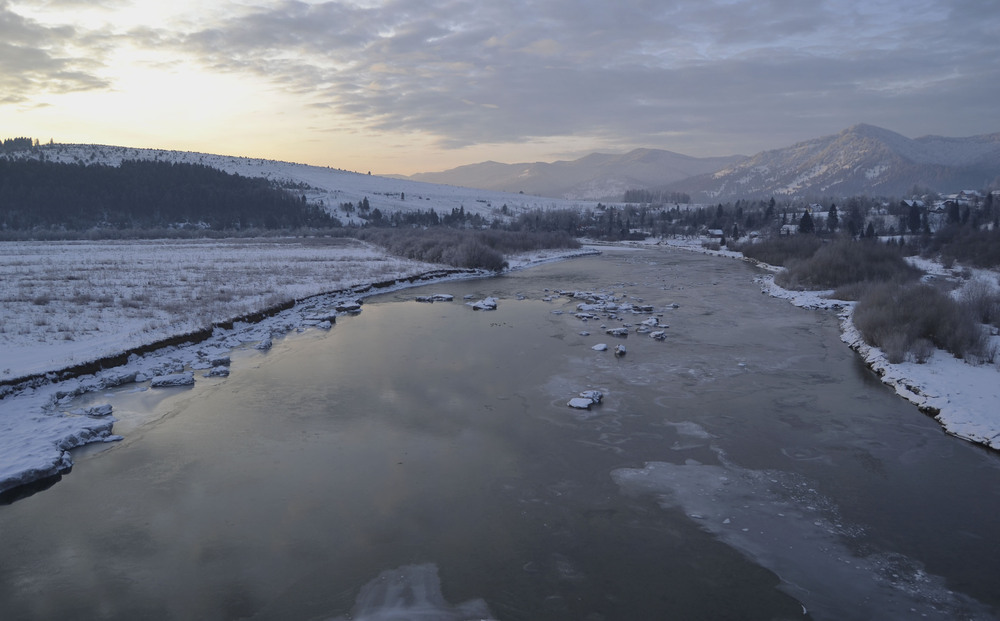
[{"x": 142, "y": 195}]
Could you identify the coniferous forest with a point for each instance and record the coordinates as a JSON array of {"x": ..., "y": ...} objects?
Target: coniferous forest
[{"x": 144, "y": 195}]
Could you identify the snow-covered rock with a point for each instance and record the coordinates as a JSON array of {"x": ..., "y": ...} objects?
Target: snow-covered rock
[
  {"x": 351, "y": 308},
  {"x": 621, "y": 332},
  {"x": 596, "y": 396},
  {"x": 174, "y": 379},
  {"x": 620, "y": 350},
  {"x": 96, "y": 411},
  {"x": 580, "y": 403},
  {"x": 600, "y": 347},
  {"x": 658, "y": 335},
  {"x": 221, "y": 371},
  {"x": 265, "y": 344},
  {"x": 485, "y": 304},
  {"x": 437, "y": 297}
]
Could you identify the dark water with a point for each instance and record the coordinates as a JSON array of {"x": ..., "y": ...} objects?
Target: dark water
[{"x": 419, "y": 462}]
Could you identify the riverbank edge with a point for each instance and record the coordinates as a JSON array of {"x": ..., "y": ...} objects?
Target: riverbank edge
[
  {"x": 929, "y": 393},
  {"x": 36, "y": 447}
]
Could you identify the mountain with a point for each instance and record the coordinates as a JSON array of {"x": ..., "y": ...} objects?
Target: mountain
[
  {"x": 862, "y": 159},
  {"x": 597, "y": 176}
]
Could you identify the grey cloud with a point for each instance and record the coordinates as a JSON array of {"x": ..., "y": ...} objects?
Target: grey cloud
[
  {"x": 761, "y": 72},
  {"x": 34, "y": 59}
]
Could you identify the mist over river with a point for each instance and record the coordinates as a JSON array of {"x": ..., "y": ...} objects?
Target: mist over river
[{"x": 419, "y": 461}]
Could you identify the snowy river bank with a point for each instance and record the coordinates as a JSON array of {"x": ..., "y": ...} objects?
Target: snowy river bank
[
  {"x": 962, "y": 396},
  {"x": 84, "y": 317},
  {"x": 62, "y": 339}
]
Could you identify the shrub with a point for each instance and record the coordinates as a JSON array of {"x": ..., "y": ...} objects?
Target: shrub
[
  {"x": 845, "y": 262},
  {"x": 463, "y": 247},
  {"x": 897, "y": 318},
  {"x": 778, "y": 251},
  {"x": 966, "y": 245},
  {"x": 983, "y": 301}
]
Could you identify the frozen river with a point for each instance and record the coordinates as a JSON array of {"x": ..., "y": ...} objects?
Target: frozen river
[{"x": 419, "y": 461}]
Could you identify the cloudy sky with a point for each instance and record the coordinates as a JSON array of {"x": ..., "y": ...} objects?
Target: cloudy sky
[{"x": 401, "y": 86}]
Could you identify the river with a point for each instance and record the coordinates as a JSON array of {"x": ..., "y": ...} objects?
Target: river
[{"x": 419, "y": 461}]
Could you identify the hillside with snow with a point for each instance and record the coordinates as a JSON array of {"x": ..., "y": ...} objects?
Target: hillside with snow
[
  {"x": 324, "y": 186},
  {"x": 861, "y": 160}
]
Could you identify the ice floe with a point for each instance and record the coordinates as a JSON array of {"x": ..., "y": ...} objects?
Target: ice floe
[
  {"x": 782, "y": 522},
  {"x": 411, "y": 592}
]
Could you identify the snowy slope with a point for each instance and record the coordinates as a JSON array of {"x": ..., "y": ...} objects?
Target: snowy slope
[
  {"x": 859, "y": 160},
  {"x": 321, "y": 185}
]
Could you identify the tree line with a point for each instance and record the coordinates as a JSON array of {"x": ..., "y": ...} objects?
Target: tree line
[{"x": 144, "y": 194}]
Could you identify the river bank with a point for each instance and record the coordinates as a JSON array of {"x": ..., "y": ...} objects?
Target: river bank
[
  {"x": 85, "y": 317},
  {"x": 960, "y": 395}
]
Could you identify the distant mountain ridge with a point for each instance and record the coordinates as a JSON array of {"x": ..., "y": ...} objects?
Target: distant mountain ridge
[
  {"x": 597, "y": 176},
  {"x": 862, "y": 159}
]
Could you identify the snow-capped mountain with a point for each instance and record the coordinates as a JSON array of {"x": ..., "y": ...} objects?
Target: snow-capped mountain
[
  {"x": 597, "y": 176},
  {"x": 326, "y": 186},
  {"x": 862, "y": 159}
]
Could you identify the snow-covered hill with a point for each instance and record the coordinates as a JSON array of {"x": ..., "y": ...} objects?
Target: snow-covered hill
[
  {"x": 321, "y": 185},
  {"x": 862, "y": 159}
]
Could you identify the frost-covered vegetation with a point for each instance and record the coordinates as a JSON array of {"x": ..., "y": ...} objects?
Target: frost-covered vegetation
[
  {"x": 780, "y": 250},
  {"x": 913, "y": 320},
  {"x": 846, "y": 262}
]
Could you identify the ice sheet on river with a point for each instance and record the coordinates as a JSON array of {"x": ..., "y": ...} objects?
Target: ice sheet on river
[
  {"x": 785, "y": 525},
  {"x": 411, "y": 593}
]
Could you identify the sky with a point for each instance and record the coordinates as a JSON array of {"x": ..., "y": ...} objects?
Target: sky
[{"x": 405, "y": 86}]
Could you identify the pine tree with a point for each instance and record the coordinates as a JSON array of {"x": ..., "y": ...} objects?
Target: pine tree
[{"x": 806, "y": 224}]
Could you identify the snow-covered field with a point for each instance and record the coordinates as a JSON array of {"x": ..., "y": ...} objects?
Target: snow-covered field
[
  {"x": 63, "y": 304},
  {"x": 964, "y": 397}
]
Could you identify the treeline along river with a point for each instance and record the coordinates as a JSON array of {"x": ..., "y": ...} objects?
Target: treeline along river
[{"x": 422, "y": 457}]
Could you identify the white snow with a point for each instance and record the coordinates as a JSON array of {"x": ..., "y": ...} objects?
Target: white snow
[
  {"x": 65, "y": 303},
  {"x": 580, "y": 403}
]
